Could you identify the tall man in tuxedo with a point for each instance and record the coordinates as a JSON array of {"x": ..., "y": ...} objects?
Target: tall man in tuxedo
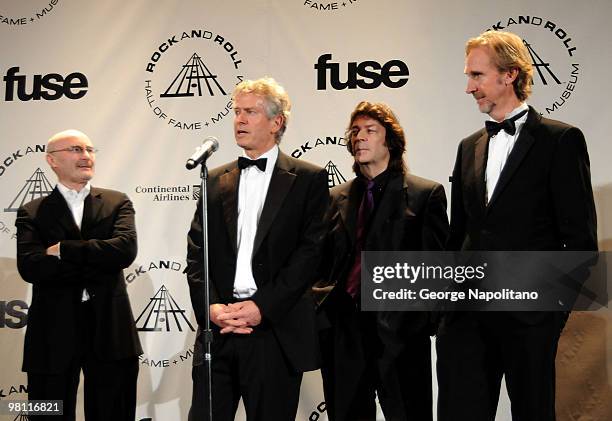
[
  {"x": 523, "y": 183},
  {"x": 265, "y": 219},
  {"x": 383, "y": 208},
  {"x": 72, "y": 246}
]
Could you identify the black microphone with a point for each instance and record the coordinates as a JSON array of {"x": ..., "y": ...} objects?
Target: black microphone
[{"x": 203, "y": 152}]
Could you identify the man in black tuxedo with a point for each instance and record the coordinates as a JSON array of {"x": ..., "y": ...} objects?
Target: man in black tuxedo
[
  {"x": 265, "y": 219},
  {"x": 383, "y": 208},
  {"x": 521, "y": 184},
  {"x": 72, "y": 246}
]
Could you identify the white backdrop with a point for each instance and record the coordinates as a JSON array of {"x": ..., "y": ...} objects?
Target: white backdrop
[{"x": 121, "y": 65}]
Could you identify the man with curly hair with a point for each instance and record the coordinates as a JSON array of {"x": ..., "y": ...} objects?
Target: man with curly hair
[{"x": 383, "y": 208}]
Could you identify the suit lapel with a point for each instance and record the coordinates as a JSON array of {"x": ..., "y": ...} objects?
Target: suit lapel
[
  {"x": 348, "y": 206},
  {"x": 481, "y": 149},
  {"x": 91, "y": 208},
  {"x": 519, "y": 151},
  {"x": 228, "y": 185},
  {"x": 60, "y": 213},
  {"x": 282, "y": 179}
]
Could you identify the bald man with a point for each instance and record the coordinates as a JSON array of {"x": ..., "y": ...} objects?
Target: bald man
[{"x": 72, "y": 246}]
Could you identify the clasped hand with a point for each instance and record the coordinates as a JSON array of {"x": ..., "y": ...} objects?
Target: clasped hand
[{"x": 237, "y": 318}]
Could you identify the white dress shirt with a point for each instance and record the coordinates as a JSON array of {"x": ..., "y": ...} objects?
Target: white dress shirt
[
  {"x": 75, "y": 200},
  {"x": 252, "y": 193},
  {"x": 500, "y": 147},
  {"x": 76, "y": 203}
]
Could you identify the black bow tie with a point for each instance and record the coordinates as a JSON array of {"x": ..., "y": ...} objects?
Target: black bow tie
[
  {"x": 493, "y": 127},
  {"x": 246, "y": 162}
]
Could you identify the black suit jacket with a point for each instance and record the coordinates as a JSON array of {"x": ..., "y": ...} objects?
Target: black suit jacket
[
  {"x": 92, "y": 258},
  {"x": 411, "y": 215},
  {"x": 286, "y": 253},
  {"x": 543, "y": 199}
]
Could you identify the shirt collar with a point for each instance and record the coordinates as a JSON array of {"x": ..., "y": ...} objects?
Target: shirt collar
[
  {"x": 73, "y": 194},
  {"x": 522, "y": 107},
  {"x": 271, "y": 155},
  {"x": 380, "y": 180},
  {"x": 517, "y": 110}
]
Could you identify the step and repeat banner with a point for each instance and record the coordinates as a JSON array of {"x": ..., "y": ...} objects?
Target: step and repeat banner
[{"x": 149, "y": 80}]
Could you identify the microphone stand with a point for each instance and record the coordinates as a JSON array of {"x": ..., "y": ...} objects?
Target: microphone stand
[{"x": 208, "y": 336}]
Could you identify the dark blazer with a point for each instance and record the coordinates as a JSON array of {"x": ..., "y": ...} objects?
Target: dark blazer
[
  {"x": 411, "y": 215},
  {"x": 543, "y": 199},
  {"x": 92, "y": 258},
  {"x": 286, "y": 253}
]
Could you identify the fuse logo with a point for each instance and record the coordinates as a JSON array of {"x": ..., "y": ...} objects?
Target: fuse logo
[
  {"x": 13, "y": 314},
  {"x": 50, "y": 87},
  {"x": 368, "y": 74}
]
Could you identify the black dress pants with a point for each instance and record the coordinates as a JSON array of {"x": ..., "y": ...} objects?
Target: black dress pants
[
  {"x": 250, "y": 366},
  {"x": 475, "y": 350},
  {"x": 109, "y": 386},
  {"x": 363, "y": 356}
]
